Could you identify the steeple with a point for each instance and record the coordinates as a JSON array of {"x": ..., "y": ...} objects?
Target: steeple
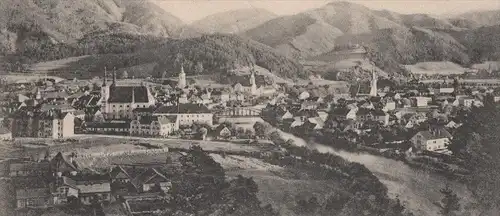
[
  {"x": 114, "y": 77},
  {"x": 252, "y": 82},
  {"x": 133, "y": 95},
  {"x": 182, "y": 79},
  {"x": 105, "y": 77},
  {"x": 373, "y": 89}
]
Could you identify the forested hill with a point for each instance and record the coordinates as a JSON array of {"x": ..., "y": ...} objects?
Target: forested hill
[{"x": 215, "y": 53}]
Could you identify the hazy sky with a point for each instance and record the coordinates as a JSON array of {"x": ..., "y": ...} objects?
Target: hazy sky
[{"x": 191, "y": 10}]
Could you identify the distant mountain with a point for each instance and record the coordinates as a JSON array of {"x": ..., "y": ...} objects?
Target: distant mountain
[
  {"x": 235, "y": 21},
  {"x": 315, "y": 32},
  {"x": 478, "y": 18},
  {"x": 38, "y": 22}
]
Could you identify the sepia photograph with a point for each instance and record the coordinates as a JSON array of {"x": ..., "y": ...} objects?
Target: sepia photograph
[{"x": 249, "y": 108}]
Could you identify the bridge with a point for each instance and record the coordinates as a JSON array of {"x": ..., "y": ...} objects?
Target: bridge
[{"x": 237, "y": 112}]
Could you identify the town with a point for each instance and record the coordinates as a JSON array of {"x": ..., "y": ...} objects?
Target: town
[{"x": 413, "y": 122}]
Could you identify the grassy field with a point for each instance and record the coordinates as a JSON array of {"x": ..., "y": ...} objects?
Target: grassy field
[{"x": 436, "y": 68}]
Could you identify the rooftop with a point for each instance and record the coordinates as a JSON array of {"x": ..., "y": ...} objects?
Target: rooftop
[{"x": 183, "y": 108}]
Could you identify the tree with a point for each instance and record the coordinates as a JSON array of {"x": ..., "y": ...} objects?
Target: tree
[
  {"x": 198, "y": 69},
  {"x": 450, "y": 202},
  {"x": 262, "y": 129}
]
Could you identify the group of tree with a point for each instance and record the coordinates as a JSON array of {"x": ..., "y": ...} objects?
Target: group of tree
[
  {"x": 201, "y": 188},
  {"x": 477, "y": 142}
]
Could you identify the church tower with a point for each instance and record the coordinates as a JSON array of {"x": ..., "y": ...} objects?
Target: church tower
[
  {"x": 104, "y": 93},
  {"x": 373, "y": 89},
  {"x": 252, "y": 83},
  {"x": 182, "y": 79}
]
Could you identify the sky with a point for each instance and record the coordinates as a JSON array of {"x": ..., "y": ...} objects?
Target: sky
[{"x": 191, "y": 10}]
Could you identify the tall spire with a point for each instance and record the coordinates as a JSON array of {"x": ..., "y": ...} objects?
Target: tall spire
[
  {"x": 114, "y": 76},
  {"x": 133, "y": 95},
  {"x": 373, "y": 90},
  {"x": 182, "y": 79},
  {"x": 105, "y": 77}
]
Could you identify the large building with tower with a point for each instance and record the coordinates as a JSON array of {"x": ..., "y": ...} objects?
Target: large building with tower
[{"x": 119, "y": 102}]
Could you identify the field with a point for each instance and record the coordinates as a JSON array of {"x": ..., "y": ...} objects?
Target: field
[{"x": 436, "y": 68}]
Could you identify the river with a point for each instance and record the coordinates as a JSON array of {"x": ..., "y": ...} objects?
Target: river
[{"x": 416, "y": 188}]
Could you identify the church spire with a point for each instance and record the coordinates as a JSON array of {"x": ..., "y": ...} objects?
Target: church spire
[
  {"x": 114, "y": 76},
  {"x": 182, "y": 79},
  {"x": 373, "y": 89},
  {"x": 105, "y": 77}
]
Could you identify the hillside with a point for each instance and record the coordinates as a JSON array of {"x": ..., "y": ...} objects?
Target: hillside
[
  {"x": 234, "y": 21},
  {"x": 390, "y": 37},
  {"x": 217, "y": 53},
  {"x": 36, "y": 23},
  {"x": 478, "y": 18}
]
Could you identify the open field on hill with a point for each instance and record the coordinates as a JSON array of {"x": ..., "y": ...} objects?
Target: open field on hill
[{"x": 436, "y": 68}]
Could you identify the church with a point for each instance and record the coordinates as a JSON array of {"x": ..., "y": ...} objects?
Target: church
[
  {"x": 254, "y": 85},
  {"x": 118, "y": 102}
]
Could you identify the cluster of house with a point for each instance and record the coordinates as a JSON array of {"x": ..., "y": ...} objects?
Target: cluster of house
[
  {"x": 409, "y": 108},
  {"x": 58, "y": 111},
  {"x": 59, "y": 181}
]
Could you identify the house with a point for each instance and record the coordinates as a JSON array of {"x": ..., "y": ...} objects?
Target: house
[
  {"x": 151, "y": 180},
  {"x": 64, "y": 165},
  {"x": 33, "y": 198},
  {"x": 297, "y": 121},
  {"x": 222, "y": 132},
  {"x": 421, "y": 101},
  {"x": 317, "y": 123},
  {"x": 5, "y": 134},
  {"x": 63, "y": 188},
  {"x": 453, "y": 124},
  {"x": 32, "y": 192},
  {"x": 389, "y": 105},
  {"x": 50, "y": 124},
  {"x": 154, "y": 126},
  {"x": 187, "y": 114},
  {"x": 27, "y": 168},
  {"x": 344, "y": 113},
  {"x": 435, "y": 139},
  {"x": 119, "y": 127},
  {"x": 53, "y": 124},
  {"x": 373, "y": 115},
  {"x": 304, "y": 95},
  {"x": 282, "y": 114},
  {"x": 309, "y": 105},
  {"x": 444, "y": 91},
  {"x": 96, "y": 188}
]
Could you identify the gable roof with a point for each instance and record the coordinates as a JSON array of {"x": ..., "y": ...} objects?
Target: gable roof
[
  {"x": 119, "y": 172},
  {"x": 147, "y": 177},
  {"x": 436, "y": 133},
  {"x": 128, "y": 94},
  {"x": 183, "y": 108}
]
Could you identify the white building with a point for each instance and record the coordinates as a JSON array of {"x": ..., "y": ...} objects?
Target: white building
[
  {"x": 119, "y": 102},
  {"x": 187, "y": 114},
  {"x": 435, "y": 140},
  {"x": 154, "y": 126}
]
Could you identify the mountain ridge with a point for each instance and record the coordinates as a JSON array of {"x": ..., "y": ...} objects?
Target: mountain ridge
[{"x": 233, "y": 21}]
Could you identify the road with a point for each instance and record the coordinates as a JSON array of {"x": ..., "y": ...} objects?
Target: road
[{"x": 416, "y": 188}]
